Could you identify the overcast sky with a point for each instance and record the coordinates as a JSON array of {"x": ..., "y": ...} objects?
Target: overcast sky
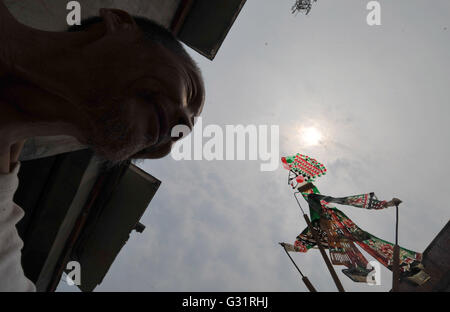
[{"x": 379, "y": 96}]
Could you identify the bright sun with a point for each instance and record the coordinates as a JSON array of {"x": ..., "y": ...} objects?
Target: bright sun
[{"x": 310, "y": 136}]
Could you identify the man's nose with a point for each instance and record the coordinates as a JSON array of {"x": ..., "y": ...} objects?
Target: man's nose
[{"x": 183, "y": 119}]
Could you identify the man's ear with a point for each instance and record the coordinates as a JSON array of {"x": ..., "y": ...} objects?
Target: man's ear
[{"x": 116, "y": 20}]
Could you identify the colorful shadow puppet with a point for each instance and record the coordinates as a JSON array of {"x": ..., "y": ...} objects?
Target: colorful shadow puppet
[{"x": 339, "y": 233}]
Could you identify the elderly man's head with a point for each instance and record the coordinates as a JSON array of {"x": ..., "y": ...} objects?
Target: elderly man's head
[
  {"x": 140, "y": 84},
  {"x": 116, "y": 83}
]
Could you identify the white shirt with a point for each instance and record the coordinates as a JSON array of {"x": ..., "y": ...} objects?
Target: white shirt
[{"x": 12, "y": 277}]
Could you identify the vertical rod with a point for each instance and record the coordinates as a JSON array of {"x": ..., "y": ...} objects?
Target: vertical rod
[
  {"x": 304, "y": 278},
  {"x": 396, "y": 225},
  {"x": 396, "y": 256},
  {"x": 324, "y": 255},
  {"x": 336, "y": 280}
]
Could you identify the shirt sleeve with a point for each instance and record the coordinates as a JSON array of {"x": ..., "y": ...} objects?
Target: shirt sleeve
[{"x": 12, "y": 277}]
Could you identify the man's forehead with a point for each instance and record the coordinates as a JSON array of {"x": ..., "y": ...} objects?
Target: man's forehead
[{"x": 181, "y": 80}]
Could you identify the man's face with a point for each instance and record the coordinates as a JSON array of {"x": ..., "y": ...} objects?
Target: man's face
[{"x": 135, "y": 94}]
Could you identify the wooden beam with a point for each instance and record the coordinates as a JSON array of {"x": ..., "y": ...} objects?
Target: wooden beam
[{"x": 180, "y": 16}]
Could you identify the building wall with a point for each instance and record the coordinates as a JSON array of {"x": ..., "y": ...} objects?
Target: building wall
[
  {"x": 51, "y": 192},
  {"x": 436, "y": 259},
  {"x": 51, "y": 14}
]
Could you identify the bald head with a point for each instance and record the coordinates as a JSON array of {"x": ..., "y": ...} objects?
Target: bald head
[{"x": 153, "y": 32}]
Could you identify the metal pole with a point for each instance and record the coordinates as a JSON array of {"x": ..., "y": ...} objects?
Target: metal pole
[
  {"x": 322, "y": 250},
  {"x": 324, "y": 255},
  {"x": 396, "y": 256},
  {"x": 304, "y": 278}
]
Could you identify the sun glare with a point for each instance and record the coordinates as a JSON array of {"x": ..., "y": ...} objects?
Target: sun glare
[{"x": 310, "y": 136}]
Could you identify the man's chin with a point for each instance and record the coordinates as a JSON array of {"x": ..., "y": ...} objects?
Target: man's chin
[
  {"x": 113, "y": 156},
  {"x": 156, "y": 152},
  {"x": 115, "y": 153}
]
